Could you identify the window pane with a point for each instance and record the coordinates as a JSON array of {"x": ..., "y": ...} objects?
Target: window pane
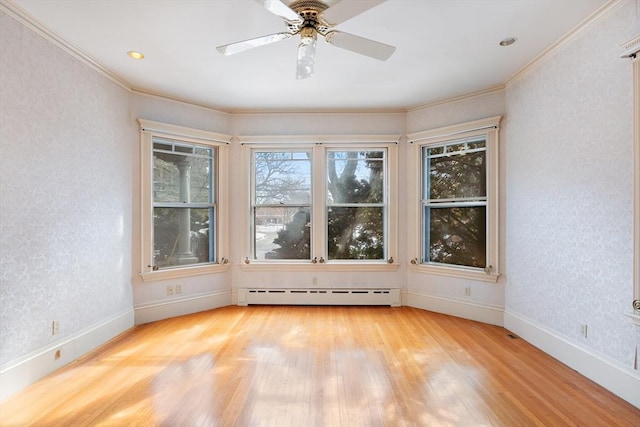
[
  {"x": 182, "y": 178},
  {"x": 458, "y": 175},
  {"x": 282, "y": 233},
  {"x": 356, "y": 233},
  {"x": 282, "y": 177},
  {"x": 182, "y": 236},
  {"x": 355, "y": 177},
  {"x": 456, "y": 235}
]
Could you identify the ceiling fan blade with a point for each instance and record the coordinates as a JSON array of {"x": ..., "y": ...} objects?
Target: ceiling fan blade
[
  {"x": 282, "y": 10},
  {"x": 306, "y": 58},
  {"x": 347, "y": 9},
  {"x": 230, "y": 49},
  {"x": 360, "y": 45}
]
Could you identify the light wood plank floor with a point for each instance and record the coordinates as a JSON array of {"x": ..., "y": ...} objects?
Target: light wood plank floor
[{"x": 316, "y": 366}]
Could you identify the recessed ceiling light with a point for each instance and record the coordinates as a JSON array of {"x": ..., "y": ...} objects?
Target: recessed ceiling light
[
  {"x": 135, "y": 55},
  {"x": 508, "y": 41}
]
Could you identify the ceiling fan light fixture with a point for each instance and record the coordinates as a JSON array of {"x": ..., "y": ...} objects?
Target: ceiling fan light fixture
[{"x": 306, "y": 53}]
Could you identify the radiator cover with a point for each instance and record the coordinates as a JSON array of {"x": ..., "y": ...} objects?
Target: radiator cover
[{"x": 319, "y": 296}]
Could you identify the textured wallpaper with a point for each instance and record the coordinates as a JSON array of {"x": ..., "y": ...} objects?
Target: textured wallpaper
[
  {"x": 66, "y": 187},
  {"x": 569, "y": 190}
]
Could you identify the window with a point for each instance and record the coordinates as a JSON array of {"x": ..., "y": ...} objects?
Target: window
[
  {"x": 454, "y": 203},
  {"x": 356, "y": 203},
  {"x": 458, "y": 200},
  {"x": 282, "y": 205},
  {"x": 321, "y": 204},
  {"x": 184, "y": 207},
  {"x": 181, "y": 195}
]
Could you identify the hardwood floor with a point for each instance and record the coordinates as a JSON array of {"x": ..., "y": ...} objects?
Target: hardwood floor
[{"x": 317, "y": 366}]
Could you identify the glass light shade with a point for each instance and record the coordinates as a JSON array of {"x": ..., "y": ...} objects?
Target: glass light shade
[{"x": 306, "y": 57}]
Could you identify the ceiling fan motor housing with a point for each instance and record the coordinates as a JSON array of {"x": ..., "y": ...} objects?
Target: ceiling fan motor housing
[{"x": 310, "y": 12}]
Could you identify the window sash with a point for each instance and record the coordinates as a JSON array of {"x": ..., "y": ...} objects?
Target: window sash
[
  {"x": 165, "y": 254},
  {"x": 460, "y": 249},
  {"x": 456, "y": 148},
  {"x": 285, "y": 162},
  {"x": 363, "y": 244},
  {"x": 297, "y": 158},
  {"x": 477, "y": 189},
  {"x": 194, "y": 154},
  {"x": 299, "y": 239},
  {"x": 185, "y": 240}
]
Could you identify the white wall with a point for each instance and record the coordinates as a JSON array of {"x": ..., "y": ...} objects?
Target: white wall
[
  {"x": 66, "y": 170},
  {"x": 569, "y": 193}
]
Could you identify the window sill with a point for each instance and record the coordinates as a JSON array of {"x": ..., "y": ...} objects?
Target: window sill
[
  {"x": 173, "y": 273},
  {"x": 364, "y": 267},
  {"x": 458, "y": 272}
]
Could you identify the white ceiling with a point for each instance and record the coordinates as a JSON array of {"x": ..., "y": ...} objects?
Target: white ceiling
[{"x": 445, "y": 48}]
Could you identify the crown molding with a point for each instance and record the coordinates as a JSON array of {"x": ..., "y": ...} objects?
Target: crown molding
[
  {"x": 631, "y": 47},
  {"x": 595, "y": 18},
  {"x": 465, "y": 97},
  {"x": 19, "y": 14}
]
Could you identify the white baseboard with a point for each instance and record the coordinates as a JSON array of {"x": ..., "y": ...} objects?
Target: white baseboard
[
  {"x": 35, "y": 365},
  {"x": 610, "y": 374},
  {"x": 473, "y": 311},
  {"x": 161, "y": 310}
]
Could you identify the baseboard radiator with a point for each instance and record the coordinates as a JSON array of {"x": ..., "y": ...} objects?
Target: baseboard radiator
[{"x": 317, "y": 296}]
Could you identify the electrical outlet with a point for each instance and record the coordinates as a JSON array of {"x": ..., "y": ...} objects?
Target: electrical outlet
[
  {"x": 584, "y": 330},
  {"x": 55, "y": 327},
  {"x": 178, "y": 289},
  {"x": 170, "y": 290},
  {"x": 467, "y": 291}
]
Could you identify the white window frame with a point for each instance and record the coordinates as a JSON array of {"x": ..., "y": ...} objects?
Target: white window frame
[
  {"x": 489, "y": 128},
  {"x": 148, "y": 130},
  {"x": 636, "y": 179},
  {"x": 632, "y": 51},
  {"x": 319, "y": 145},
  {"x": 253, "y": 205}
]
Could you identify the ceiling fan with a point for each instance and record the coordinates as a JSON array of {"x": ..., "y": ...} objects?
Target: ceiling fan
[{"x": 308, "y": 18}]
